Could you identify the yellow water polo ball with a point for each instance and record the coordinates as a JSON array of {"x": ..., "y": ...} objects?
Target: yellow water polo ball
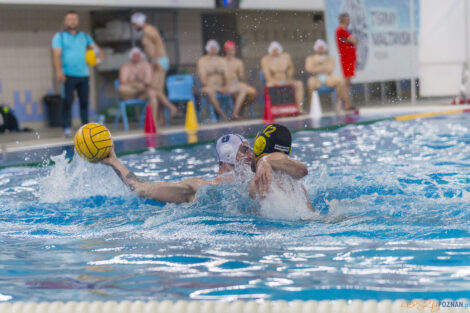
[
  {"x": 93, "y": 142},
  {"x": 90, "y": 57}
]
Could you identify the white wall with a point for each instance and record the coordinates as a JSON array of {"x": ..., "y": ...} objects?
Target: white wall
[
  {"x": 26, "y": 58},
  {"x": 259, "y": 28},
  {"x": 442, "y": 47},
  {"x": 120, "y": 3},
  {"x": 190, "y": 38},
  {"x": 302, "y": 5}
]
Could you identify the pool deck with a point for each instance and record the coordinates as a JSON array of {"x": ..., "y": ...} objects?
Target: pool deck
[{"x": 37, "y": 146}]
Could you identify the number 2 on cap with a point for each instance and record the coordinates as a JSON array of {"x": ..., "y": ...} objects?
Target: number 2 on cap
[{"x": 269, "y": 130}]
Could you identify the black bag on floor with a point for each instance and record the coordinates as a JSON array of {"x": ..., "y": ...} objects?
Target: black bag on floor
[
  {"x": 8, "y": 121},
  {"x": 53, "y": 104}
]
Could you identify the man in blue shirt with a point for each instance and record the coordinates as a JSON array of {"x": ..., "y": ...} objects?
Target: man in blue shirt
[{"x": 69, "y": 48}]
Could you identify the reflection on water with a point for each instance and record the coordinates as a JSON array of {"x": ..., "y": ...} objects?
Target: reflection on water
[{"x": 393, "y": 211}]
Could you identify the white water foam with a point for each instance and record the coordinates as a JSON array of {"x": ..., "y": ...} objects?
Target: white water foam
[
  {"x": 78, "y": 179},
  {"x": 286, "y": 200}
]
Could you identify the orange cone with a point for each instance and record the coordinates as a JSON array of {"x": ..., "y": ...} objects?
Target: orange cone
[{"x": 149, "y": 126}]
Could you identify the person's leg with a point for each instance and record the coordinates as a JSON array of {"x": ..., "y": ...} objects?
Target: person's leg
[
  {"x": 347, "y": 92},
  {"x": 158, "y": 84},
  {"x": 313, "y": 84},
  {"x": 251, "y": 95},
  {"x": 336, "y": 82},
  {"x": 151, "y": 96},
  {"x": 211, "y": 94},
  {"x": 299, "y": 93},
  {"x": 240, "y": 92},
  {"x": 348, "y": 71},
  {"x": 127, "y": 92},
  {"x": 68, "y": 89},
  {"x": 164, "y": 100},
  {"x": 83, "y": 91}
]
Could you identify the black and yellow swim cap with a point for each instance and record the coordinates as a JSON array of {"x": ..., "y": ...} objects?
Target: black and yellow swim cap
[{"x": 273, "y": 138}]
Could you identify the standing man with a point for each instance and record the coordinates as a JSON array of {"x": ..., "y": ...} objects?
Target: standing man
[
  {"x": 347, "y": 53},
  {"x": 278, "y": 69},
  {"x": 244, "y": 94},
  {"x": 68, "y": 49},
  {"x": 213, "y": 74},
  {"x": 154, "y": 49}
]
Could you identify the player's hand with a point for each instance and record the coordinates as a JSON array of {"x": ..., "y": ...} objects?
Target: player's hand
[
  {"x": 110, "y": 158},
  {"x": 263, "y": 178},
  {"x": 61, "y": 76}
]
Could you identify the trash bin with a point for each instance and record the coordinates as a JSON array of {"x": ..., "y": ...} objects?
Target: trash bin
[{"x": 53, "y": 105}]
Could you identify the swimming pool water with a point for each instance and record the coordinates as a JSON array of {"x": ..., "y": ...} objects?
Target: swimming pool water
[{"x": 393, "y": 202}]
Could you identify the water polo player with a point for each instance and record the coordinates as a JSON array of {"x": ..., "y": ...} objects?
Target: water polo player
[
  {"x": 232, "y": 151},
  {"x": 274, "y": 144}
]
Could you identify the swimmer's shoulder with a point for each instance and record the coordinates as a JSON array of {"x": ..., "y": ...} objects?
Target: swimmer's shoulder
[
  {"x": 239, "y": 62},
  {"x": 202, "y": 60},
  {"x": 285, "y": 55}
]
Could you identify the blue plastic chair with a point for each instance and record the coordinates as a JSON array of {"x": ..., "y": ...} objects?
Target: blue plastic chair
[
  {"x": 180, "y": 88},
  {"x": 225, "y": 100},
  {"x": 262, "y": 78},
  {"x": 123, "y": 104}
]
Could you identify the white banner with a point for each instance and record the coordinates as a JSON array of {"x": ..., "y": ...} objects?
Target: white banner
[
  {"x": 120, "y": 3},
  {"x": 382, "y": 28},
  {"x": 442, "y": 47}
]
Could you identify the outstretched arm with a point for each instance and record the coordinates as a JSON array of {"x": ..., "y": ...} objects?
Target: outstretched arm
[
  {"x": 176, "y": 192},
  {"x": 293, "y": 168}
]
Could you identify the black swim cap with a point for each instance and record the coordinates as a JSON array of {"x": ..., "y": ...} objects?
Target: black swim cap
[{"x": 273, "y": 138}]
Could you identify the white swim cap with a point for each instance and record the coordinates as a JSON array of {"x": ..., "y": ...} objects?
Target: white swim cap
[
  {"x": 138, "y": 18},
  {"x": 212, "y": 43},
  {"x": 227, "y": 148},
  {"x": 135, "y": 50},
  {"x": 275, "y": 45},
  {"x": 320, "y": 43}
]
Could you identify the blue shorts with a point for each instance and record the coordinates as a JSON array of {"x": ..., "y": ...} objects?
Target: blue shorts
[
  {"x": 322, "y": 78},
  {"x": 164, "y": 62}
]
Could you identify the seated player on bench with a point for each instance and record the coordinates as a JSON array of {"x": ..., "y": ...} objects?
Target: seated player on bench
[
  {"x": 278, "y": 69},
  {"x": 321, "y": 66}
]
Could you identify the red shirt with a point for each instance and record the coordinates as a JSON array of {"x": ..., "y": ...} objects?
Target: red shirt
[{"x": 346, "y": 50}]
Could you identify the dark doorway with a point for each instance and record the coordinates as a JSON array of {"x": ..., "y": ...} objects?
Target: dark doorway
[{"x": 221, "y": 27}]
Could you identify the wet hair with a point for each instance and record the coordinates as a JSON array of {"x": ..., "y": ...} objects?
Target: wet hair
[{"x": 342, "y": 16}]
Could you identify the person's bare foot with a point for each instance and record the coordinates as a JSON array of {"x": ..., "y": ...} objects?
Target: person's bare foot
[
  {"x": 173, "y": 112},
  {"x": 235, "y": 117}
]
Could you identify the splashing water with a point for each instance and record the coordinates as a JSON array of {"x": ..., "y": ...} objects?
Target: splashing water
[
  {"x": 286, "y": 200},
  {"x": 392, "y": 202},
  {"x": 78, "y": 179}
]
